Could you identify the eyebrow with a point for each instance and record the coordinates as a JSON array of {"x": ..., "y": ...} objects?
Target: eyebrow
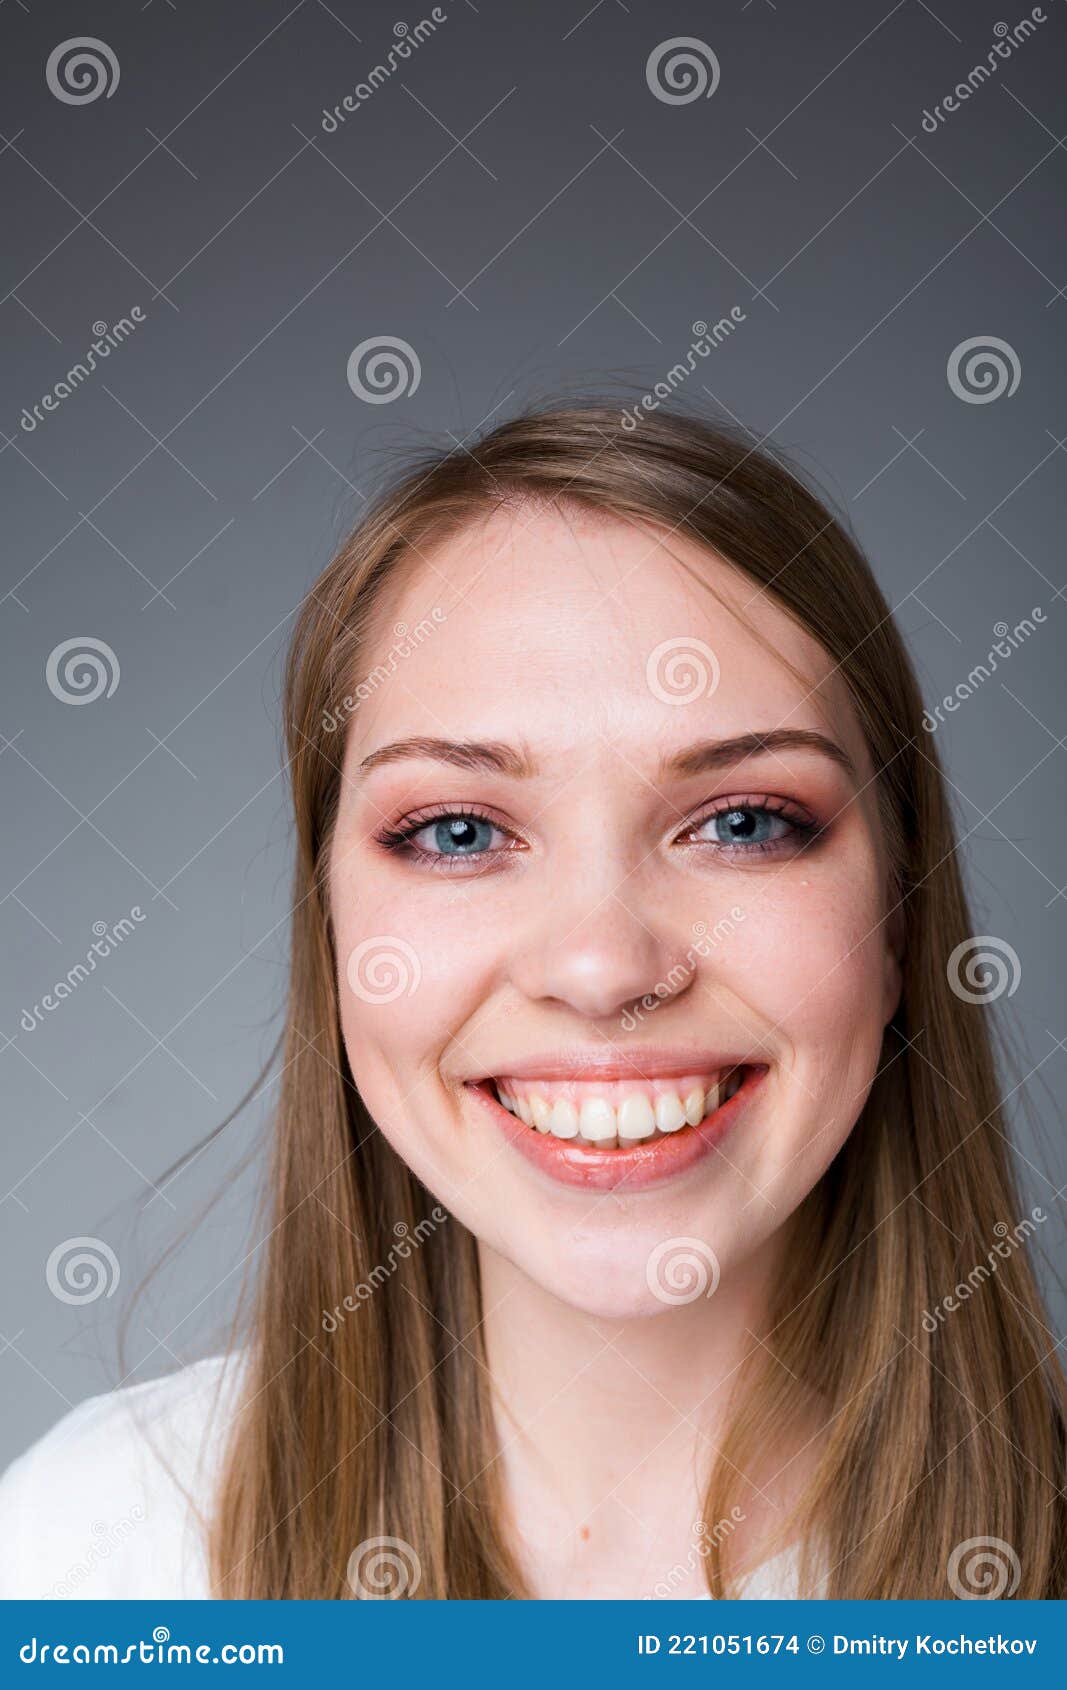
[
  {"x": 712, "y": 754},
  {"x": 489, "y": 756},
  {"x": 705, "y": 757}
]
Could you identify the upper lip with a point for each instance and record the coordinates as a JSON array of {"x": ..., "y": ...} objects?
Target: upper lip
[{"x": 645, "y": 1062}]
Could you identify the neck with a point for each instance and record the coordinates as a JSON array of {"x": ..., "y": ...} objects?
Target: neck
[{"x": 608, "y": 1428}]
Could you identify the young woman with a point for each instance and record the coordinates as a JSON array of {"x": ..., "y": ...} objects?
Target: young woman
[{"x": 637, "y": 1125}]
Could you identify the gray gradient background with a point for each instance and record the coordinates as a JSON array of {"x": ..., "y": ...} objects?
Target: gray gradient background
[{"x": 518, "y": 206}]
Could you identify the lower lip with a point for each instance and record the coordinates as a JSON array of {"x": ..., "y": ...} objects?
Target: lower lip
[{"x": 650, "y": 1163}]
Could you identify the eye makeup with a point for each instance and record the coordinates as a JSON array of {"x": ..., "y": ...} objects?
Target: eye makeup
[{"x": 748, "y": 826}]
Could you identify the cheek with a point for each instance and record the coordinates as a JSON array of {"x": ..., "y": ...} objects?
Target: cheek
[
  {"x": 410, "y": 969},
  {"x": 810, "y": 960}
]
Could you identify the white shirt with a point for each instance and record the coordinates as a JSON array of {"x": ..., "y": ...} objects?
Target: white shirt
[
  {"x": 110, "y": 1503},
  {"x": 90, "y": 1510}
]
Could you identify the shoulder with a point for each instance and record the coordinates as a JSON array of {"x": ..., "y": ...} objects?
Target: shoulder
[{"x": 110, "y": 1501}]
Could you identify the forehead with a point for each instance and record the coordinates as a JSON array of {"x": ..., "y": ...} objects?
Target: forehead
[{"x": 558, "y": 624}]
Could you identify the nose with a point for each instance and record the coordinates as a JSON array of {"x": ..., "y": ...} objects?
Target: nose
[{"x": 598, "y": 954}]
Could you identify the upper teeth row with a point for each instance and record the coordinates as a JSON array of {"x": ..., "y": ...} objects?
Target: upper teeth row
[{"x": 597, "y": 1121}]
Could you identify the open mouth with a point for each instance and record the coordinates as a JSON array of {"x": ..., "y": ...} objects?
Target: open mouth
[
  {"x": 619, "y": 1114},
  {"x": 607, "y": 1133}
]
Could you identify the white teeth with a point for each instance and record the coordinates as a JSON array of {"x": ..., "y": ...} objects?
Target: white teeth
[
  {"x": 542, "y": 1112},
  {"x": 669, "y": 1112},
  {"x": 636, "y": 1120},
  {"x": 693, "y": 1104},
  {"x": 563, "y": 1122},
  {"x": 637, "y": 1117},
  {"x": 597, "y": 1122}
]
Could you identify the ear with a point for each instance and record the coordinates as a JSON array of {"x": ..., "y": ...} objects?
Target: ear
[{"x": 894, "y": 959}]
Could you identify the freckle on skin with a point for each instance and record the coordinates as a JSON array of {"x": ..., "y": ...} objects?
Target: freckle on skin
[{"x": 583, "y": 1533}]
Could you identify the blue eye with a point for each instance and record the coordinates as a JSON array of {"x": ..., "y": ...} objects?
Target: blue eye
[
  {"x": 747, "y": 824},
  {"x": 455, "y": 836}
]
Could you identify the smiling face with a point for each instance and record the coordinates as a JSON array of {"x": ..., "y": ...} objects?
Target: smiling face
[{"x": 609, "y": 894}]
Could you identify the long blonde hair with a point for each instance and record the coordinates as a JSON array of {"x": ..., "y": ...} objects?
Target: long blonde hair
[{"x": 938, "y": 1431}]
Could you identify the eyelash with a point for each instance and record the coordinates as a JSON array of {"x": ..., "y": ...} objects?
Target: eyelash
[{"x": 399, "y": 839}]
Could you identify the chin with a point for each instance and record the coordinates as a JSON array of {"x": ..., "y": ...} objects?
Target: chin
[{"x": 621, "y": 1273}]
